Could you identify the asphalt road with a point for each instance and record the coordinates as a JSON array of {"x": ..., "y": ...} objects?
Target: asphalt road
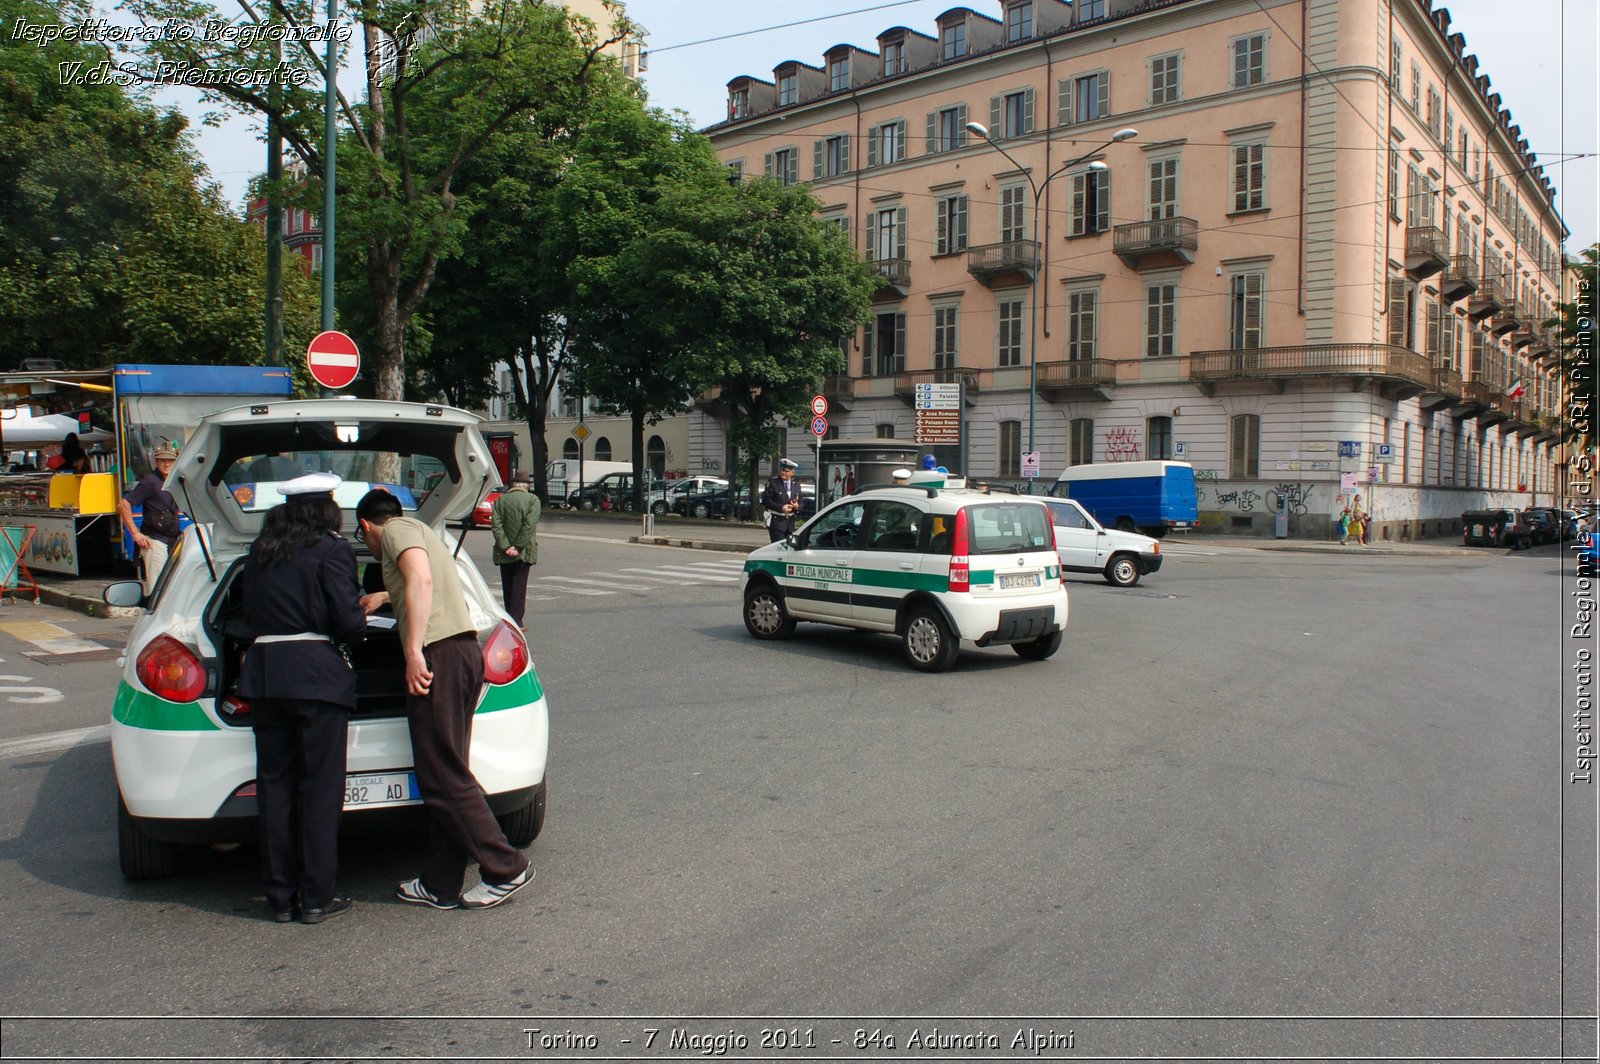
[{"x": 1317, "y": 805}]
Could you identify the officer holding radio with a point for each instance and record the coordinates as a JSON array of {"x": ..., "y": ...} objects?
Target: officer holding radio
[{"x": 781, "y": 500}]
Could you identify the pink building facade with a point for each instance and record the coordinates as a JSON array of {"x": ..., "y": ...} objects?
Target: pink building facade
[{"x": 1301, "y": 245}]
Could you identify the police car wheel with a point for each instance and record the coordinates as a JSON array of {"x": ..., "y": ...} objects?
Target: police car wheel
[
  {"x": 140, "y": 856},
  {"x": 929, "y": 643},
  {"x": 1122, "y": 571},
  {"x": 1040, "y": 648},
  {"x": 764, "y": 614}
]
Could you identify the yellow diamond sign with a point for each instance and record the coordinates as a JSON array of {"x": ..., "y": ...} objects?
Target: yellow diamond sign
[{"x": 582, "y": 432}]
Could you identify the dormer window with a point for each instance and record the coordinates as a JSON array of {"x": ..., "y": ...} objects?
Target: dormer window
[
  {"x": 739, "y": 103},
  {"x": 788, "y": 89},
  {"x": 839, "y": 73},
  {"x": 1019, "y": 20},
  {"x": 894, "y": 58},
  {"x": 953, "y": 40}
]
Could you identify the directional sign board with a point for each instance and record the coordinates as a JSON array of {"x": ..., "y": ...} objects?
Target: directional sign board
[
  {"x": 938, "y": 426},
  {"x": 333, "y": 359},
  {"x": 1030, "y": 464},
  {"x": 938, "y": 396}
]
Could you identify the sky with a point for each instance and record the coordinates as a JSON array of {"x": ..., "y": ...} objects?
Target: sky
[{"x": 1540, "y": 56}]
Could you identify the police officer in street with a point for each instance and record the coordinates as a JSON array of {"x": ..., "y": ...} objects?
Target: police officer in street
[
  {"x": 301, "y": 601},
  {"x": 781, "y": 500}
]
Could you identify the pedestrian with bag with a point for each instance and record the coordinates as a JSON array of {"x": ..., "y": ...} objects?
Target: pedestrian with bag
[
  {"x": 1358, "y": 525},
  {"x": 444, "y": 679},
  {"x": 781, "y": 501},
  {"x": 301, "y": 602},
  {"x": 515, "y": 524},
  {"x": 1344, "y": 527},
  {"x": 158, "y": 525}
]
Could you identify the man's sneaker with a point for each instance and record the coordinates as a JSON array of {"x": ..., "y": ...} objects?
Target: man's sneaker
[
  {"x": 488, "y": 895},
  {"x": 414, "y": 892}
]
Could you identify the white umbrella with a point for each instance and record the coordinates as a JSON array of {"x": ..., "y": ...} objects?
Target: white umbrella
[{"x": 21, "y": 429}]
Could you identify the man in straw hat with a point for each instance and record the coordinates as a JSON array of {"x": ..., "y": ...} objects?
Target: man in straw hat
[{"x": 158, "y": 525}]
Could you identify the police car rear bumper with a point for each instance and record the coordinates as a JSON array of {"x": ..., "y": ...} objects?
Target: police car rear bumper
[{"x": 1021, "y": 626}]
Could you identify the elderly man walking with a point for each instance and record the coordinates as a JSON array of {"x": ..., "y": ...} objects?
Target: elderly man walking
[{"x": 515, "y": 524}]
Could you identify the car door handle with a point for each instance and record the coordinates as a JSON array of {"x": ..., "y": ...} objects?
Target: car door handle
[{"x": 908, "y": 565}]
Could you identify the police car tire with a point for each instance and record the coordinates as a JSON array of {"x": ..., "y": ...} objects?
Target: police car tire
[
  {"x": 765, "y": 616},
  {"x": 140, "y": 856},
  {"x": 929, "y": 643},
  {"x": 1040, "y": 648},
  {"x": 1122, "y": 570},
  {"x": 522, "y": 826}
]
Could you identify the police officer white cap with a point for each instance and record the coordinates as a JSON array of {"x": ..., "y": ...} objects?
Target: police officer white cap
[
  {"x": 901, "y": 475},
  {"x": 310, "y": 484},
  {"x": 788, "y": 463}
]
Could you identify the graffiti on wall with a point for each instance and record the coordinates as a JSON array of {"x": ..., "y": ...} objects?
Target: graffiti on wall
[
  {"x": 1122, "y": 445},
  {"x": 1296, "y": 497},
  {"x": 1243, "y": 500}
]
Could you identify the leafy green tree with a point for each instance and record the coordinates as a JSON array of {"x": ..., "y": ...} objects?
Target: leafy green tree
[{"x": 443, "y": 81}]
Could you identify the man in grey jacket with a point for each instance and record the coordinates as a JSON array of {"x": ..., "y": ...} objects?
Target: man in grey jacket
[{"x": 515, "y": 524}]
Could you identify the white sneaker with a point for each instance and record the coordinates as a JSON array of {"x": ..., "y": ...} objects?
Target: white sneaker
[
  {"x": 488, "y": 895},
  {"x": 414, "y": 892}
]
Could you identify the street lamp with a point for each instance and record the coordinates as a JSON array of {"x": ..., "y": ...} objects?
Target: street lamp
[{"x": 1038, "y": 188}]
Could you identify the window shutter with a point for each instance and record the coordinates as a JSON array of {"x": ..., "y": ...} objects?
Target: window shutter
[
  {"x": 868, "y": 338},
  {"x": 1397, "y": 312},
  {"x": 1027, "y": 110},
  {"x": 1102, "y": 213},
  {"x": 768, "y": 164},
  {"x": 961, "y": 224},
  {"x": 1064, "y": 102},
  {"x": 1236, "y": 446},
  {"x": 1241, "y": 64},
  {"x": 794, "y": 166},
  {"x": 872, "y": 146},
  {"x": 1254, "y": 298},
  {"x": 900, "y": 234},
  {"x": 1091, "y": 323},
  {"x": 941, "y": 227},
  {"x": 961, "y": 126},
  {"x": 817, "y": 148},
  {"x": 933, "y": 132},
  {"x": 1102, "y": 94},
  {"x": 996, "y": 129},
  {"x": 1435, "y": 323},
  {"x": 844, "y": 154},
  {"x": 872, "y": 236},
  {"x": 899, "y": 342},
  {"x": 900, "y": 140},
  {"x": 1078, "y": 212}
]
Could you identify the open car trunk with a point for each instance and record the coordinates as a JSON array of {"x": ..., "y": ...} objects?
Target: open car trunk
[{"x": 379, "y": 661}]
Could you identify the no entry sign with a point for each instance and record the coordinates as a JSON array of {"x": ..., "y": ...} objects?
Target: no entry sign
[{"x": 333, "y": 359}]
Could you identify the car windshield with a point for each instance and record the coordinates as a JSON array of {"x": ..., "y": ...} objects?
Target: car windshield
[
  {"x": 1007, "y": 528},
  {"x": 256, "y": 480}
]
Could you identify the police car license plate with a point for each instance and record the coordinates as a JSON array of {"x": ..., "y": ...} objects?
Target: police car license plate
[
  {"x": 1015, "y": 580},
  {"x": 388, "y": 788}
]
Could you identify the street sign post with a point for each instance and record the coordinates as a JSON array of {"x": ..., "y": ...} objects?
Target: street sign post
[
  {"x": 1030, "y": 464},
  {"x": 938, "y": 414},
  {"x": 333, "y": 359}
]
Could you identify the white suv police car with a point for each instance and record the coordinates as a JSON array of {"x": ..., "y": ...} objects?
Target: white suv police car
[{"x": 933, "y": 565}]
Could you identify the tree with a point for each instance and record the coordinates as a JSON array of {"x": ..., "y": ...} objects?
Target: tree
[
  {"x": 443, "y": 82},
  {"x": 1578, "y": 334},
  {"x": 111, "y": 245}
]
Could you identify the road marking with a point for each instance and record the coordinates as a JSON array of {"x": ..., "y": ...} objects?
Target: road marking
[
  {"x": 50, "y": 638},
  {"x": 31, "y": 695},
  {"x": 54, "y": 742},
  {"x": 545, "y": 581},
  {"x": 666, "y": 570}
]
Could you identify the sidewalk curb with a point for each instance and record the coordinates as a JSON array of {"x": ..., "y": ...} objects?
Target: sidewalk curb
[
  {"x": 694, "y": 544},
  {"x": 92, "y": 607}
]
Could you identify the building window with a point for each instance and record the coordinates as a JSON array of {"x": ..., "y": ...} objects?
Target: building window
[
  {"x": 1008, "y": 311},
  {"x": 1246, "y": 310},
  {"x": 739, "y": 103},
  {"x": 1081, "y": 324},
  {"x": 1394, "y": 65},
  {"x": 1091, "y": 202},
  {"x": 884, "y": 430},
  {"x": 602, "y": 448},
  {"x": 788, "y": 89},
  {"x": 1160, "y": 320},
  {"x": 1435, "y": 111},
  {"x": 894, "y": 57},
  {"x": 1163, "y": 189},
  {"x": 1449, "y": 131},
  {"x": 944, "y": 337},
  {"x": 831, "y": 156},
  {"x": 1164, "y": 79},
  {"x": 783, "y": 165},
  {"x": 1081, "y": 435},
  {"x": 886, "y": 234},
  {"x": 1013, "y": 213},
  {"x": 1158, "y": 439},
  {"x": 1250, "y": 60},
  {"x": 1019, "y": 20},
  {"x": 883, "y": 346},
  {"x": 950, "y": 228},
  {"x": 1090, "y": 9},
  {"x": 1416, "y": 88},
  {"x": 1085, "y": 98},
  {"x": 736, "y": 172},
  {"x": 839, "y": 73},
  {"x": 570, "y": 449},
  {"x": 953, "y": 40},
  {"x": 887, "y": 144},
  {"x": 1249, "y": 177},
  {"x": 1244, "y": 447},
  {"x": 655, "y": 456},
  {"x": 1010, "y": 441},
  {"x": 947, "y": 129},
  {"x": 1014, "y": 114},
  {"x": 1394, "y": 182}
]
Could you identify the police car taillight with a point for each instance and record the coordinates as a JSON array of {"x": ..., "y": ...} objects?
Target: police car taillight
[
  {"x": 505, "y": 655},
  {"x": 170, "y": 670},
  {"x": 960, "y": 571}
]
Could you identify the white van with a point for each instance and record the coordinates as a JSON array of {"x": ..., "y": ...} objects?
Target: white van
[{"x": 562, "y": 475}]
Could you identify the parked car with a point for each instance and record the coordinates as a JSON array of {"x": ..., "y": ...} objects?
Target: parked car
[
  {"x": 715, "y": 504},
  {"x": 1589, "y": 554},
  {"x": 1086, "y": 546},
  {"x": 614, "y": 491},
  {"x": 182, "y": 748},
  {"x": 1496, "y": 528},
  {"x": 1543, "y": 524},
  {"x": 483, "y": 513},
  {"x": 934, "y": 566},
  {"x": 675, "y": 491}
]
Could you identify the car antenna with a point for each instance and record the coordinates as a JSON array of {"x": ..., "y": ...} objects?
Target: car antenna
[
  {"x": 199, "y": 533},
  {"x": 467, "y": 522}
]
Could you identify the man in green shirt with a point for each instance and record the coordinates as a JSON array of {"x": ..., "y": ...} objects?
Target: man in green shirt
[
  {"x": 444, "y": 679},
  {"x": 515, "y": 524}
]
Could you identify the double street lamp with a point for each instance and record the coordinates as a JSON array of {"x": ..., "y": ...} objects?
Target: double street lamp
[{"x": 1038, "y": 188}]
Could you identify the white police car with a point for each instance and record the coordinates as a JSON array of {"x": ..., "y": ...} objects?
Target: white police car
[
  {"x": 933, "y": 565},
  {"x": 181, "y": 741}
]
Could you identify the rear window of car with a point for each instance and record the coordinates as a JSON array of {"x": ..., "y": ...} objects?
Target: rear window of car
[{"x": 1007, "y": 528}]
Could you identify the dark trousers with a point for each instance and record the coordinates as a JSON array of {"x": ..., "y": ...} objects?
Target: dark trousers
[
  {"x": 300, "y": 767},
  {"x": 460, "y": 825},
  {"x": 514, "y": 589},
  {"x": 779, "y": 528}
]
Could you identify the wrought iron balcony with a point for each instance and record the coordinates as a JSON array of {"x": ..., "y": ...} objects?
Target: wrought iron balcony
[
  {"x": 905, "y": 384},
  {"x": 1157, "y": 243},
  {"x": 1445, "y": 389},
  {"x": 1004, "y": 263},
  {"x": 839, "y": 389},
  {"x": 1487, "y": 300},
  {"x": 1460, "y": 278},
  {"x": 1427, "y": 251},
  {"x": 1544, "y": 343},
  {"x": 1400, "y": 369},
  {"x": 896, "y": 274},
  {"x": 1523, "y": 336},
  {"x": 1077, "y": 379},
  {"x": 1509, "y": 320}
]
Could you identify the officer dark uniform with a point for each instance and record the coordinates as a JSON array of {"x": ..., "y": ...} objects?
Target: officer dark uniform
[
  {"x": 301, "y": 691},
  {"x": 781, "y": 500}
]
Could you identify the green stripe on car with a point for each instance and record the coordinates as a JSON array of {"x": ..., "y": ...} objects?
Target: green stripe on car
[
  {"x": 525, "y": 690},
  {"x": 141, "y": 709}
]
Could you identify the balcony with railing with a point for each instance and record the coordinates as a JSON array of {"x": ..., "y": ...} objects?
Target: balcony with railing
[
  {"x": 1444, "y": 389},
  {"x": 1156, "y": 244},
  {"x": 1475, "y": 401},
  {"x": 1460, "y": 278},
  {"x": 1544, "y": 344},
  {"x": 1399, "y": 370},
  {"x": 896, "y": 275},
  {"x": 1509, "y": 320},
  {"x": 1487, "y": 300},
  {"x": 839, "y": 389},
  {"x": 905, "y": 384},
  {"x": 1083, "y": 378},
  {"x": 1522, "y": 335},
  {"x": 1427, "y": 251},
  {"x": 1007, "y": 263}
]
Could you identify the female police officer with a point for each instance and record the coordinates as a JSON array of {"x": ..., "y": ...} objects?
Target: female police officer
[{"x": 300, "y": 595}]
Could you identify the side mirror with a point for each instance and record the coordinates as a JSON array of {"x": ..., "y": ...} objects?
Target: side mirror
[{"x": 124, "y": 593}]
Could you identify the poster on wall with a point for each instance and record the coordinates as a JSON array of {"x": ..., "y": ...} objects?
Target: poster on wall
[{"x": 54, "y": 547}]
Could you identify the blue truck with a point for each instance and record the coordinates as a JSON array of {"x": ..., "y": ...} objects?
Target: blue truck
[{"x": 1150, "y": 497}]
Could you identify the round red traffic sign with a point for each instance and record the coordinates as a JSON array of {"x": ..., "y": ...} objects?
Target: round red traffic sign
[
  {"x": 819, "y": 426},
  {"x": 819, "y": 405},
  {"x": 333, "y": 359}
]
